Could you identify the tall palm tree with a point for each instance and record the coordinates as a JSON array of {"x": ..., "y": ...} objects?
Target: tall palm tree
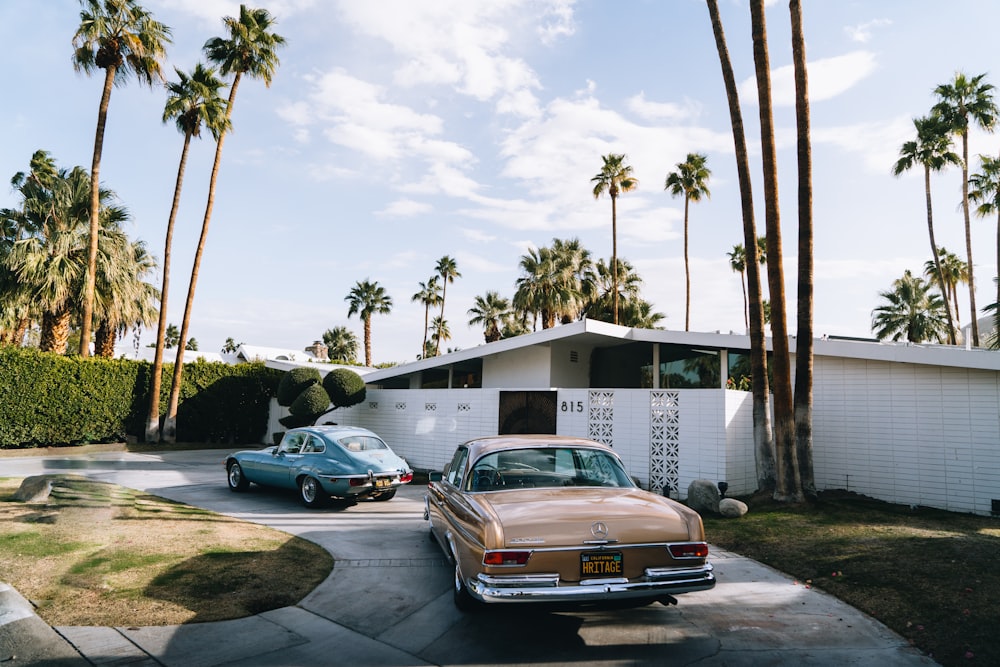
[
  {"x": 543, "y": 288},
  {"x": 123, "y": 39},
  {"x": 341, "y": 344},
  {"x": 985, "y": 194},
  {"x": 932, "y": 150},
  {"x": 763, "y": 437},
  {"x": 250, "y": 49},
  {"x": 366, "y": 299},
  {"x": 788, "y": 486},
  {"x": 953, "y": 272},
  {"x": 738, "y": 263},
  {"x": 691, "y": 181},
  {"x": 429, "y": 295},
  {"x": 629, "y": 287},
  {"x": 614, "y": 178},
  {"x": 192, "y": 101},
  {"x": 490, "y": 311},
  {"x": 803, "y": 395},
  {"x": 911, "y": 312},
  {"x": 447, "y": 268},
  {"x": 964, "y": 101}
]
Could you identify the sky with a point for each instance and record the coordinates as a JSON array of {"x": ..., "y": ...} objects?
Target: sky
[{"x": 398, "y": 132}]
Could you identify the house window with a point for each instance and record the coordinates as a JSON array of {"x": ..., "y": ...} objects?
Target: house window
[{"x": 682, "y": 367}]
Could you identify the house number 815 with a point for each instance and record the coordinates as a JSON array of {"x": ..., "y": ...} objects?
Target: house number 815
[{"x": 571, "y": 406}]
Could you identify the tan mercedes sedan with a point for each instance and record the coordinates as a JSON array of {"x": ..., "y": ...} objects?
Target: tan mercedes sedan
[{"x": 554, "y": 519}]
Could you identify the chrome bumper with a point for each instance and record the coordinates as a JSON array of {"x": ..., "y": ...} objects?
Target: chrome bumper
[{"x": 547, "y": 587}]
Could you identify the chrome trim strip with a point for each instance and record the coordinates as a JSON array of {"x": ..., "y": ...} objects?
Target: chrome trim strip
[{"x": 540, "y": 588}]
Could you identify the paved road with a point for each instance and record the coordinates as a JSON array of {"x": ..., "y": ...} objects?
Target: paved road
[{"x": 388, "y": 600}]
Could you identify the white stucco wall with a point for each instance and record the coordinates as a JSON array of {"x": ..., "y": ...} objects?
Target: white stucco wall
[{"x": 521, "y": 368}]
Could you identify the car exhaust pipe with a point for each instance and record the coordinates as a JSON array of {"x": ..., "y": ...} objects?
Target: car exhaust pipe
[{"x": 667, "y": 600}]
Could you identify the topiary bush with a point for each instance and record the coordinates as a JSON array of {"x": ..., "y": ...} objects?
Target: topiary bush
[
  {"x": 345, "y": 387},
  {"x": 294, "y": 382}
]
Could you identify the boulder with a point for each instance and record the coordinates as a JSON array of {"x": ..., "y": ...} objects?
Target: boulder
[
  {"x": 703, "y": 496},
  {"x": 34, "y": 489},
  {"x": 732, "y": 508}
]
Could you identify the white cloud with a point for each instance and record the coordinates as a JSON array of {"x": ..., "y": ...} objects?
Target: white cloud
[
  {"x": 405, "y": 208},
  {"x": 863, "y": 32},
  {"x": 669, "y": 111},
  {"x": 878, "y": 142},
  {"x": 828, "y": 77}
]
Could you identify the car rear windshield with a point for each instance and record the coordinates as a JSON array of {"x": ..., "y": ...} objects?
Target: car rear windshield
[
  {"x": 545, "y": 467},
  {"x": 361, "y": 443}
]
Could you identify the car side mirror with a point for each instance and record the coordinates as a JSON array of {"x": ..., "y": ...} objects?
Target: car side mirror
[
  {"x": 276, "y": 452},
  {"x": 435, "y": 477}
]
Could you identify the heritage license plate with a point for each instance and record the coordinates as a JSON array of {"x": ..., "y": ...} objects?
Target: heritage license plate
[
  {"x": 601, "y": 564},
  {"x": 382, "y": 482}
]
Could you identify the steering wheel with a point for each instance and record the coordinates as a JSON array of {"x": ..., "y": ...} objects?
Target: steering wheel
[{"x": 486, "y": 478}]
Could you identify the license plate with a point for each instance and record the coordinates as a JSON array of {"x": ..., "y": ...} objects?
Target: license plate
[
  {"x": 601, "y": 564},
  {"x": 382, "y": 482}
]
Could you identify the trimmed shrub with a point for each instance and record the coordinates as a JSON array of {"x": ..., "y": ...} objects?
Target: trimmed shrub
[
  {"x": 345, "y": 387},
  {"x": 294, "y": 382},
  {"x": 312, "y": 401}
]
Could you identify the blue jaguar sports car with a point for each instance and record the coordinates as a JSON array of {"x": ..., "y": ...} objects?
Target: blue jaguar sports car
[{"x": 323, "y": 462}]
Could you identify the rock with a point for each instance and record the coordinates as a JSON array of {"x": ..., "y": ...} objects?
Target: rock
[
  {"x": 703, "y": 496},
  {"x": 34, "y": 489},
  {"x": 732, "y": 508}
]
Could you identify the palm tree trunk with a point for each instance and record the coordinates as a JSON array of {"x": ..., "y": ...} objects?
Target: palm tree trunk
[
  {"x": 90, "y": 281},
  {"x": 444, "y": 292},
  {"x": 803, "y": 399},
  {"x": 763, "y": 442},
  {"x": 934, "y": 253},
  {"x": 427, "y": 311},
  {"x": 104, "y": 341},
  {"x": 788, "y": 485},
  {"x": 614, "y": 255},
  {"x": 368, "y": 341},
  {"x": 55, "y": 331},
  {"x": 169, "y": 433},
  {"x": 746, "y": 307},
  {"x": 974, "y": 321},
  {"x": 687, "y": 271},
  {"x": 153, "y": 419}
]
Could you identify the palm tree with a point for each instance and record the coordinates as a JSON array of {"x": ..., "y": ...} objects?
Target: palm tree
[
  {"x": 429, "y": 295},
  {"x": 985, "y": 194},
  {"x": 341, "y": 344},
  {"x": 953, "y": 272},
  {"x": 803, "y": 395},
  {"x": 738, "y": 263},
  {"x": 250, "y": 49},
  {"x": 230, "y": 346},
  {"x": 123, "y": 300},
  {"x": 576, "y": 275},
  {"x": 614, "y": 178},
  {"x": 788, "y": 485},
  {"x": 690, "y": 180},
  {"x": 932, "y": 150},
  {"x": 191, "y": 101},
  {"x": 490, "y": 311},
  {"x": 542, "y": 289},
  {"x": 639, "y": 313},
  {"x": 123, "y": 39},
  {"x": 439, "y": 332},
  {"x": 763, "y": 438},
  {"x": 629, "y": 286},
  {"x": 965, "y": 100},
  {"x": 994, "y": 339},
  {"x": 448, "y": 270},
  {"x": 366, "y": 299},
  {"x": 911, "y": 312}
]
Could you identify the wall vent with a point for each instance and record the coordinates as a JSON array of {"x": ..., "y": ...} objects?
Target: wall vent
[{"x": 574, "y": 356}]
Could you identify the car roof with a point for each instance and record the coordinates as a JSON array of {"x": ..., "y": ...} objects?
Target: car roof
[
  {"x": 487, "y": 445},
  {"x": 334, "y": 432}
]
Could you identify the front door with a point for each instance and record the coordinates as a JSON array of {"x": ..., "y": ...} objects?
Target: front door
[{"x": 527, "y": 412}]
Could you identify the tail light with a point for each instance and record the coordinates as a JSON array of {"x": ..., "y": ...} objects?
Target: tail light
[
  {"x": 506, "y": 557},
  {"x": 359, "y": 481},
  {"x": 689, "y": 550},
  {"x": 406, "y": 477}
]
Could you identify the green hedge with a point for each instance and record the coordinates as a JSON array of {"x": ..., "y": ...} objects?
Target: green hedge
[{"x": 54, "y": 400}]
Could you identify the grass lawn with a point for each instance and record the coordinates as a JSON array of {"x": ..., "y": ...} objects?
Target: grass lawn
[
  {"x": 932, "y": 576},
  {"x": 101, "y": 554}
]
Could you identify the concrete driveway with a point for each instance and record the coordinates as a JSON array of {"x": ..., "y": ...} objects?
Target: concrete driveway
[{"x": 388, "y": 600}]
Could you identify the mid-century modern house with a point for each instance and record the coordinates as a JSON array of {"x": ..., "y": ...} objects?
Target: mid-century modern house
[{"x": 910, "y": 424}]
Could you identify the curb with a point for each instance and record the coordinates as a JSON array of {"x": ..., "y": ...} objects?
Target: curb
[{"x": 27, "y": 639}]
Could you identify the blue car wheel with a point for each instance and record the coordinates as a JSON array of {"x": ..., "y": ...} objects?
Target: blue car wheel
[{"x": 237, "y": 482}]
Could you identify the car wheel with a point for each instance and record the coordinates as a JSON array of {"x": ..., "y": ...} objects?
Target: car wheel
[
  {"x": 237, "y": 482},
  {"x": 311, "y": 492},
  {"x": 463, "y": 599},
  {"x": 385, "y": 495}
]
